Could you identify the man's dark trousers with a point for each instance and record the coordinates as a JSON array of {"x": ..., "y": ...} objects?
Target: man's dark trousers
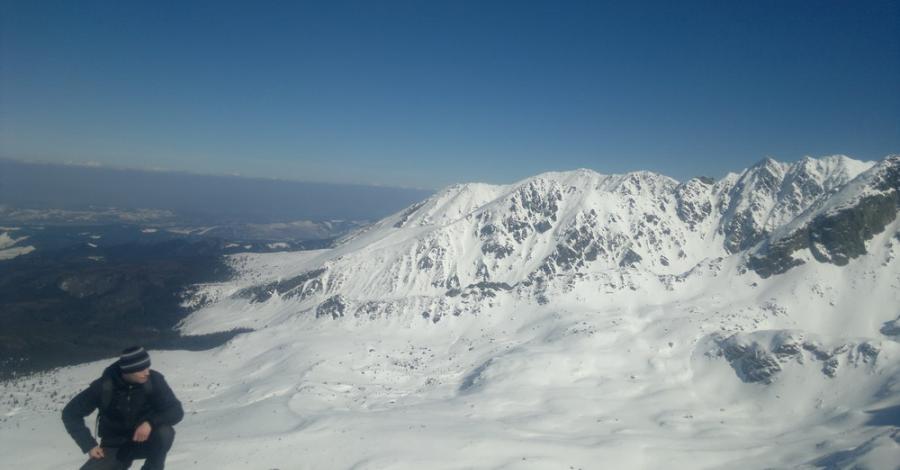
[{"x": 120, "y": 457}]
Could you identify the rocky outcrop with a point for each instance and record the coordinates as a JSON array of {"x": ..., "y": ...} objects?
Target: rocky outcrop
[
  {"x": 776, "y": 256},
  {"x": 754, "y": 195},
  {"x": 407, "y": 213},
  {"x": 694, "y": 202},
  {"x": 837, "y": 232},
  {"x": 482, "y": 289},
  {"x": 837, "y": 238},
  {"x": 333, "y": 307},
  {"x": 532, "y": 209},
  {"x": 751, "y": 361},
  {"x": 759, "y": 357},
  {"x": 891, "y": 328},
  {"x": 581, "y": 243},
  {"x": 301, "y": 286}
]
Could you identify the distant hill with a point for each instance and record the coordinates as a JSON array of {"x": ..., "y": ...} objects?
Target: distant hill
[{"x": 194, "y": 198}]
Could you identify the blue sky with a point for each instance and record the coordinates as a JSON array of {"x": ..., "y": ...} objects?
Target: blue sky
[{"x": 425, "y": 94}]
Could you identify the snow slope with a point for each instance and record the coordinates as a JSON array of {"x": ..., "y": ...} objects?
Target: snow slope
[{"x": 571, "y": 320}]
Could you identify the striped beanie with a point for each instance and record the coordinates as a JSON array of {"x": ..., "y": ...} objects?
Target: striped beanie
[{"x": 134, "y": 359}]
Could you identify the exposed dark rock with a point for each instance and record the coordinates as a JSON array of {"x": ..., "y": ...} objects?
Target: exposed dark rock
[
  {"x": 453, "y": 282},
  {"x": 842, "y": 236},
  {"x": 499, "y": 250},
  {"x": 788, "y": 349},
  {"x": 518, "y": 229},
  {"x": 482, "y": 289},
  {"x": 483, "y": 272},
  {"x": 539, "y": 201},
  {"x": 533, "y": 208},
  {"x": 474, "y": 378},
  {"x": 582, "y": 243},
  {"x": 891, "y": 328},
  {"x": 691, "y": 205},
  {"x": 404, "y": 217},
  {"x": 630, "y": 259},
  {"x": 375, "y": 309},
  {"x": 334, "y": 307},
  {"x": 742, "y": 232},
  {"x": 776, "y": 256},
  {"x": 564, "y": 257},
  {"x": 490, "y": 286},
  {"x": 285, "y": 287},
  {"x": 759, "y": 356},
  {"x": 751, "y": 362},
  {"x": 889, "y": 178},
  {"x": 867, "y": 353},
  {"x": 830, "y": 367},
  {"x": 425, "y": 263},
  {"x": 817, "y": 351},
  {"x": 543, "y": 226},
  {"x": 259, "y": 293}
]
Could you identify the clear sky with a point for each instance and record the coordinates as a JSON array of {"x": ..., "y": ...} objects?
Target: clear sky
[{"x": 428, "y": 93}]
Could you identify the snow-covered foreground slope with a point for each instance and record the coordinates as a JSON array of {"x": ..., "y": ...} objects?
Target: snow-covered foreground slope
[{"x": 563, "y": 342}]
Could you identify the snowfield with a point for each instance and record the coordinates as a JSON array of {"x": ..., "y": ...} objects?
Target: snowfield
[
  {"x": 8, "y": 248},
  {"x": 600, "y": 322}
]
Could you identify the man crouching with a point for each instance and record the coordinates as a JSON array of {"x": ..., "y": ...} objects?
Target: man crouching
[{"x": 137, "y": 410}]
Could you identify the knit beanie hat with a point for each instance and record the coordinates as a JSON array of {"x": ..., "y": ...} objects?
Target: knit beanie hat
[{"x": 134, "y": 359}]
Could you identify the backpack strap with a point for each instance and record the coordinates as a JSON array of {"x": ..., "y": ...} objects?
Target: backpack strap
[
  {"x": 106, "y": 392},
  {"x": 148, "y": 387}
]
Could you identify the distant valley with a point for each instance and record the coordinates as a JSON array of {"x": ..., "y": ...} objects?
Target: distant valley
[
  {"x": 93, "y": 259},
  {"x": 75, "y": 293}
]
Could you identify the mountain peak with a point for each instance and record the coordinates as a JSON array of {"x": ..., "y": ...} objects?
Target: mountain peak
[
  {"x": 545, "y": 228},
  {"x": 770, "y": 193}
]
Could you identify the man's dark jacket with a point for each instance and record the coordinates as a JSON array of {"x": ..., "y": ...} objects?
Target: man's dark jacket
[{"x": 129, "y": 406}]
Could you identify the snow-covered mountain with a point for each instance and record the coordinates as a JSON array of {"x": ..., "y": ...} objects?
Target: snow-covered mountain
[
  {"x": 544, "y": 234},
  {"x": 570, "y": 320}
]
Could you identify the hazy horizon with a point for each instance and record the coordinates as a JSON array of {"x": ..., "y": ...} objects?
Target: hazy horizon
[{"x": 198, "y": 196}]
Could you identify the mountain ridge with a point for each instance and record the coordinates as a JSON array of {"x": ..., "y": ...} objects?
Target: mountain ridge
[{"x": 570, "y": 224}]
